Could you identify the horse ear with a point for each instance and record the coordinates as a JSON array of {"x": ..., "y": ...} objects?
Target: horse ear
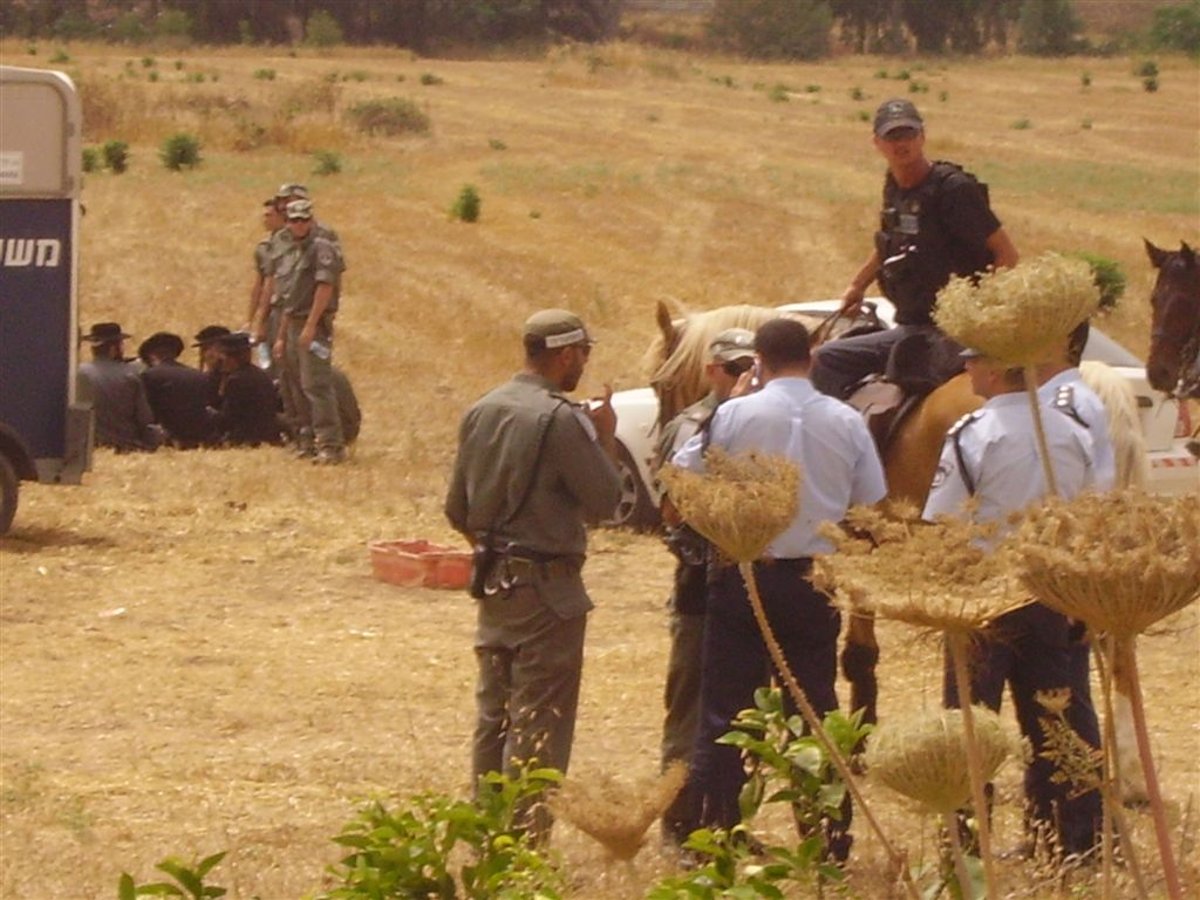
[
  {"x": 1157, "y": 256},
  {"x": 662, "y": 316},
  {"x": 1189, "y": 255}
]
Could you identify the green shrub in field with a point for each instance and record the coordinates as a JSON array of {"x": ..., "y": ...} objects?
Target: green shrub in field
[
  {"x": 1049, "y": 28},
  {"x": 116, "y": 155},
  {"x": 128, "y": 28},
  {"x": 856, "y": 93},
  {"x": 322, "y": 30},
  {"x": 174, "y": 27},
  {"x": 152, "y": 76},
  {"x": 1085, "y": 80},
  {"x": 180, "y": 151},
  {"x": 327, "y": 162},
  {"x": 429, "y": 78},
  {"x": 60, "y": 56},
  {"x": 264, "y": 74},
  {"x": 1177, "y": 27},
  {"x": 1147, "y": 68},
  {"x": 1021, "y": 125},
  {"x": 1150, "y": 85},
  {"x": 357, "y": 75},
  {"x": 91, "y": 159},
  {"x": 769, "y": 29},
  {"x": 466, "y": 205},
  {"x": 497, "y": 144},
  {"x": 391, "y": 116},
  {"x": 148, "y": 62},
  {"x": 779, "y": 93}
]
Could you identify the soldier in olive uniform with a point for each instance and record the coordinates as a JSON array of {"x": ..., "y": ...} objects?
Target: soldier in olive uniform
[
  {"x": 308, "y": 282},
  {"x": 531, "y": 468}
]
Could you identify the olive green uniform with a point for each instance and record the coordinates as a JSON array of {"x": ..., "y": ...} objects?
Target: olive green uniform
[
  {"x": 529, "y": 473},
  {"x": 307, "y": 375}
]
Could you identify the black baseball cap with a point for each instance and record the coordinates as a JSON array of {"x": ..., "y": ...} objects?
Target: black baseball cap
[{"x": 897, "y": 113}]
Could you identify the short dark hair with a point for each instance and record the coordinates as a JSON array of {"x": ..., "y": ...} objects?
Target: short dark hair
[{"x": 782, "y": 342}]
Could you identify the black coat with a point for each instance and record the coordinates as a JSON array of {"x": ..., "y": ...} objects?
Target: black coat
[
  {"x": 249, "y": 411},
  {"x": 178, "y": 398}
]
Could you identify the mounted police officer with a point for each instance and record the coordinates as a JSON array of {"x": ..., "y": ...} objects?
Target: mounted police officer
[
  {"x": 936, "y": 222},
  {"x": 731, "y": 355},
  {"x": 531, "y": 468},
  {"x": 990, "y": 465}
]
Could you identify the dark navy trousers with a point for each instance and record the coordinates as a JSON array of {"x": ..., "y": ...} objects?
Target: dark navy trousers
[
  {"x": 1031, "y": 649},
  {"x": 736, "y": 662}
]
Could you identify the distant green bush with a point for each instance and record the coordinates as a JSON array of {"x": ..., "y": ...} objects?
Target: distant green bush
[
  {"x": 264, "y": 74},
  {"x": 391, "y": 116},
  {"x": 174, "y": 26},
  {"x": 779, "y": 93},
  {"x": 323, "y": 30},
  {"x": 128, "y": 28},
  {"x": 116, "y": 155},
  {"x": 1021, "y": 125},
  {"x": 91, "y": 159},
  {"x": 467, "y": 204},
  {"x": 60, "y": 56},
  {"x": 1177, "y": 27},
  {"x": 180, "y": 151},
  {"x": 1049, "y": 28},
  {"x": 769, "y": 29},
  {"x": 328, "y": 162},
  {"x": 428, "y": 78},
  {"x": 1147, "y": 68}
]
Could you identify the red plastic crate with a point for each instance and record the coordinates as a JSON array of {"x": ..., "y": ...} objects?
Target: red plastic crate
[{"x": 420, "y": 563}]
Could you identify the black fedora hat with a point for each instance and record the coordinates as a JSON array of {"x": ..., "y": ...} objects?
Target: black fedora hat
[
  {"x": 161, "y": 341},
  {"x": 105, "y": 333},
  {"x": 208, "y": 334}
]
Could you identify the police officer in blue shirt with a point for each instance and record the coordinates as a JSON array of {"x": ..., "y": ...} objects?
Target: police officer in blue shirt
[
  {"x": 991, "y": 457},
  {"x": 829, "y": 441}
]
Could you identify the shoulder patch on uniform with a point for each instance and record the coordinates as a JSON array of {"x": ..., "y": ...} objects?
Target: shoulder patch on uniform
[
  {"x": 326, "y": 255},
  {"x": 962, "y": 423},
  {"x": 1064, "y": 402}
]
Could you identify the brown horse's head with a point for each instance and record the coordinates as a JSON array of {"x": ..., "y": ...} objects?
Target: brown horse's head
[{"x": 1175, "y": 326}]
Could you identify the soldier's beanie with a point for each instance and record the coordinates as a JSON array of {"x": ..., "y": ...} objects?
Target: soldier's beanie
[
  {"x": 552, "y": 328},
  {"x": 291, "y": 189},
  {"x": 897, "y": 113},
  {"x": 299, "y": 210},
  {"x": 208, "y": 334},
  {"x": 732, "y": 344}
]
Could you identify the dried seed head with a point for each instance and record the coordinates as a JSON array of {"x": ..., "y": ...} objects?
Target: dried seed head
[
  {"x": 1019, "y": 315},
  {"x": 618, "y": 814},
  {"x": 741, "y": 503},
  {"x": 925, "y": 757},
  {"x": 1117, "y": 561}
]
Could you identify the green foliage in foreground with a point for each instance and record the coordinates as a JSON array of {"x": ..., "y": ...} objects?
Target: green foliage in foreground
[
  {"x": 410, "y": 852},
  {"x": 189, "y": 880}
]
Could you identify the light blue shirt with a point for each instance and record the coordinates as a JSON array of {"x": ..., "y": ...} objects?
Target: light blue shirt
[
  {"x": 839, "y": 465},
  {"x": 1090, "y": 409},
  {"x": 999, "y": 450}
]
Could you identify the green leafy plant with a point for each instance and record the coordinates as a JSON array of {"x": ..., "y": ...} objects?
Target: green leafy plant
[
  {"x": 429, "y": 78},
  {"x": 779, "y": 93},
  {"x": 1149, "y": 84},
  {"x": 1148, "y": 68},
  {"x": 189, "y": 880},
  {"x": 391, "y": 116},
  {"x": 116, "y": 155},
  {"x": 1021, "y": 125},
  {"x": 1085, "y": 80},
  {"x": 328, "y": 162},
  {"x": 60, "y": 56},
  {"x": 1177, "y": 27},
  {"x": 180, "y": 151},
  {"x": 856, "y": 93},
  {"x": 91, "y": 159},
  {"x": 467, "y": 204},
  {"x": 1107, "y": 273},
  {"x": 411, "y": 851},
  {"x": 264, "y": 74}
]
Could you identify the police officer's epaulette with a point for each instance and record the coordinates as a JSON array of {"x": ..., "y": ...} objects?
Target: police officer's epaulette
[
  {"x": 962, "y": 423},
  {"x": 1064, "y": 402}
]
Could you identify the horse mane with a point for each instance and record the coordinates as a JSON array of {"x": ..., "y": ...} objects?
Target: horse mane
[
  {"x": 680, "y": 377},
  {"x": 1124, "y": 422}
]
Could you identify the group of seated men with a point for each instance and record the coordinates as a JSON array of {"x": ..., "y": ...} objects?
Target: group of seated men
[{"x": 141, "y": 404}]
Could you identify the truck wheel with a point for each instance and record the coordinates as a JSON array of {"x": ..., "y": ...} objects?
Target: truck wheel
[
  {"x": 8, "y": 493},
  {"x": 635, "y": 508}
]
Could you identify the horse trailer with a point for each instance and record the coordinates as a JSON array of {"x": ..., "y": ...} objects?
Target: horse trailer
[{"x": 45, "y": 432}]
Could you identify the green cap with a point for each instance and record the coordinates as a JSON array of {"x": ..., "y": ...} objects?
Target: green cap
[
  {"x": 732, "y": 344},
  {"x": 291, "y": 189},
  {"x": 299, "y": 209},
  {"x": 557, "y": 328}
]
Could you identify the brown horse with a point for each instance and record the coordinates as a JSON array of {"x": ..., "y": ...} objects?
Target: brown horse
[{"x": 1174, "y": 363}]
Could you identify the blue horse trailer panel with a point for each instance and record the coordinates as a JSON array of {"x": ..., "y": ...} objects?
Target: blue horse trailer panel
[{"x": 35, "y": 322}]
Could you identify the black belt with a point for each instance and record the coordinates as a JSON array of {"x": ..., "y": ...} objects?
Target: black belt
[{"x": 512, "y": 571}]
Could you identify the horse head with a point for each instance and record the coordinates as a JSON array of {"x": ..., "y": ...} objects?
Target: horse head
[{"x": 1175, "y": 323}]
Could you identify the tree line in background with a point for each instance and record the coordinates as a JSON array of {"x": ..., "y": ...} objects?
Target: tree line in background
[{"x": 766, "y": 29}]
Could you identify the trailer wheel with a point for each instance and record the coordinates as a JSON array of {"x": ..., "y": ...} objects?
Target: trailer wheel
[{"x": 8, "y": 493}]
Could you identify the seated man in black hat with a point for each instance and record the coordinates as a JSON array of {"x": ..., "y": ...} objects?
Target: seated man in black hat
[
  {"x": 177, "y": 393},
  {"x": 123, "y": 419},
  {"x": 248, "y": 414},
  {"x": 210, "y": 359}
]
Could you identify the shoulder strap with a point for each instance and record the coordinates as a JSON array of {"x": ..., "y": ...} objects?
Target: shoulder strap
[
  {"x": 956, "y": 436},
  {"x": 1064, "y": 402},
  {"x": 543, "y": 429},
  {"x": 944, "y": 170}
]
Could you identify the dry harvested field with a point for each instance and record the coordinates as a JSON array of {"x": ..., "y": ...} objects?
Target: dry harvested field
[{"x": 193, "y": 653}]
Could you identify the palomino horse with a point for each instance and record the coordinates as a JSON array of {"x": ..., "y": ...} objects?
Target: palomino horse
[
  {"x": 909, "y": 461},
  {"x": 1174, "y": 363}
]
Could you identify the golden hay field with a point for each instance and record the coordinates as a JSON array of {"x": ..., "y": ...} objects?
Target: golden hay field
[{"x": 193, "y": 653}]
